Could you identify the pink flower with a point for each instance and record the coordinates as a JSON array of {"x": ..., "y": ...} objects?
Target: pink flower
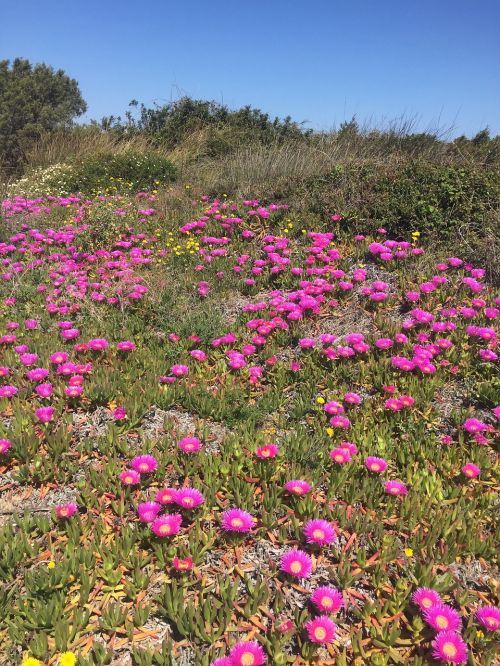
[
  {"x": 376, "y": 465},
  {"x": 450, "y": 647},
  {"x": 167, "y": 525},
  {"x": 471, "y": 471},
  {"x": 189, "y": 498},
  {"x": 44, "y": 390},
  {"x": 319, "y": 531},
  {"x": 297, "y": 563},
  {"x": 185, "y": 564},
  {"x": 148, "y": 511},
  {"x": 321, "y": 629},
  {"x": 267, "y": 451},
  {"x": 65, "y": 510},
  {"x": 442, "y": 618},
  {"x": 340, "y": 422},
  {"x": 489, "y": 617},
  {"x": 130, "y": 477},
  {"x": 353, "y": 399},
  {"x": 237, "y": 520},
  {"x": 297, "y": 487},
  {"x": 126, "y": 345},
  {"x": 5, "y": 445},
  {"x": 59, "y": 357},
  {"x": 327, "y": 599},
  {"x": 165, "y": 496},
  {"x": 45, "y": 414},
  {"x": 98, "y": 344},
  {"x": 189, "y": 444},
  {"x": 426, "y": 598},
  {"x": 247, "y": 653},
  {"x": 474, "y": 425},
  {"x": 340, "y": 455},
  {"x": 333, "y": 408},
  {"x": 179, "y": 370},
  {"x": 7, "y": 391},
  {"x": 120, "y": 413},
  {"x": 144, "y": 464},
  {"x": 198, "y": 355},
  {"x": 395, "y": 488}
]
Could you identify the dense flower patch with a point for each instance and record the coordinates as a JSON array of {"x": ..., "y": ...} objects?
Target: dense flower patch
[{"x": 307, "y": 475}]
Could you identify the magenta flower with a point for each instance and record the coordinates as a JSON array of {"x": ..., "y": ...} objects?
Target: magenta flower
[
  {"x": 5, "y": 445},
  {"x": 45, "y": 414},
  {"x": 167, "y": 525},
  {"x": 489, "y": 617},
  {"x": 63, "y": 511},
  {"x": 353, "y": 399},
  {"x": 58, "y": 357},
  {"x": 267, "y": 451},
  {"x": 222, "y": 661},
  {"x": 28, "y": 359},
  {"x": 321, "y": 629},
  {"x": 144, "y": 464},
  {"x": 189, "y": 444},
  {"x": 120, "y": 413},
  {"x": 470, "y": 470},
  {"x": 165, "y": 496},
  {"x": 188, "y": 498},
  {"x": 333, "y": 408},
  {"x": 474, "y": 425},
  {"x": 450, "y": 647},
  {"x": 237, "y": 520},
  {"x": 442, "y": 618},
  {"x": 98, "y": 344},
  {"x": 130, "y": 477},
  {"x": 7, "y": 391},
  {"x": 340, "y": 455},
  {"x": 395, "y": 488},
  {"x": 179, "y": 370},
  {"x": 247, "y": 653},
  {"x": 44, "y": 390},
  {"x": 319, "y": 531},
  {"x": 147, "y": 511},
  {"x": 327, "y": 599},
  {"x": 376, "y": 465},
  {"x": 340, "y": 422},
  {"x": 297, "y": 487},
  {"x": 198, "y": 355},
  {"x": 126, "y": 345},
  {"x": 426, "y": 598},
  {"x": 297, "y": 563}
]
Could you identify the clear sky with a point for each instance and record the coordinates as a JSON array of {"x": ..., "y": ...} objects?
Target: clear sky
[{"x": 320, "y": 61}]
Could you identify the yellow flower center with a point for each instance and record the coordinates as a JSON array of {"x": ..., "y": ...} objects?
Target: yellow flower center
[
  {"x": 441, "y": 622},
  {"x": 318, "y": 534},
  {"x": 143, "y": 467},
  {"x": 426, "y": 602},
  {"x": 449, "y": 650},
  {"x": 247, "y": 659},
  {"x": 296, "y": 567},
  {"x": 237, "y": 522},
  {"x": 375, "y": 467},
  {"x": 320, "y": 633},
  {"x": 326, "y": 602},
  {"x": 165, "y": 529}
]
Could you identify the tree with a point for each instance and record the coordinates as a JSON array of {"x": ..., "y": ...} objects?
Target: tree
[{"x": 33, "y": 99}]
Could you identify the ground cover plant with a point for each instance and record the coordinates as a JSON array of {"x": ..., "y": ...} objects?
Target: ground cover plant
[{"x": 233, "y": 435}]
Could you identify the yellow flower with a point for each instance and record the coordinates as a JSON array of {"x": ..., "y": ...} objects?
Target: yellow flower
[
  {"x": 31, "y": 661},
  {"x": 409, "y": 552},
  {"x": 320, "y": 400},
  {"x": 479, "y": 634},
  {"x": 329, "y": 432},
  {"x": 67, "y": 659},
  {"x": 51, "y": 564}
]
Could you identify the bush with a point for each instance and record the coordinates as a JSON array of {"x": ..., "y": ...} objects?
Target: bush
[{"x": 103, "y": 173}]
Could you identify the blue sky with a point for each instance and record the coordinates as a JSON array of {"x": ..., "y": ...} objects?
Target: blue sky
[{"x": 320, "y": 61}]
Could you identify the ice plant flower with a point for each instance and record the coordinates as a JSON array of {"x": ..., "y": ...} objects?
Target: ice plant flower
[
  {"x": 340, "y": 455},
  {"x": 189, "y": 444},
  {"x": 165, "y": 496},
  {"x": 63, "y": 511},
  {"x": 395, "y": 488},
  {"x": 5, "y": 445},
  {"x": 297, "y": 487},
  {"x": 470, "y": 470},
  {"x": 130, "y": 477},
  {"x": 376, "y": 465},
  {"x": 237, "y": 520},
  {"x": 165, "y": 526},
  {"x": 327, "y": 599},
  {"x": 145, "y": 464},
  {"x": 267, "y": 451},
  {"x": 185, "y": 564},
  {"x": 489, "y": 617},
  {"x": 450, "y": 647},
  {"x": 442, "y": 618},
  {"x": 45, "y": 414},
  {"x": 147, "y": 511},
  {"x": 247, "y": 653},
  {"x": 320, "y": 532},
  {"x": 321, "y": 629},
  {"x": 297, "y": 563},
  {"x": 189, "y": 498},
  {"x": 426, "y": 598}
]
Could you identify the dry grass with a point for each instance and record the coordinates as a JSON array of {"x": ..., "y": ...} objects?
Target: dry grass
[{"x": 83, "y": 142}]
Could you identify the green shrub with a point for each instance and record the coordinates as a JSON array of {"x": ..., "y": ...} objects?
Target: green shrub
[{"x": 104, "y": 173}]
